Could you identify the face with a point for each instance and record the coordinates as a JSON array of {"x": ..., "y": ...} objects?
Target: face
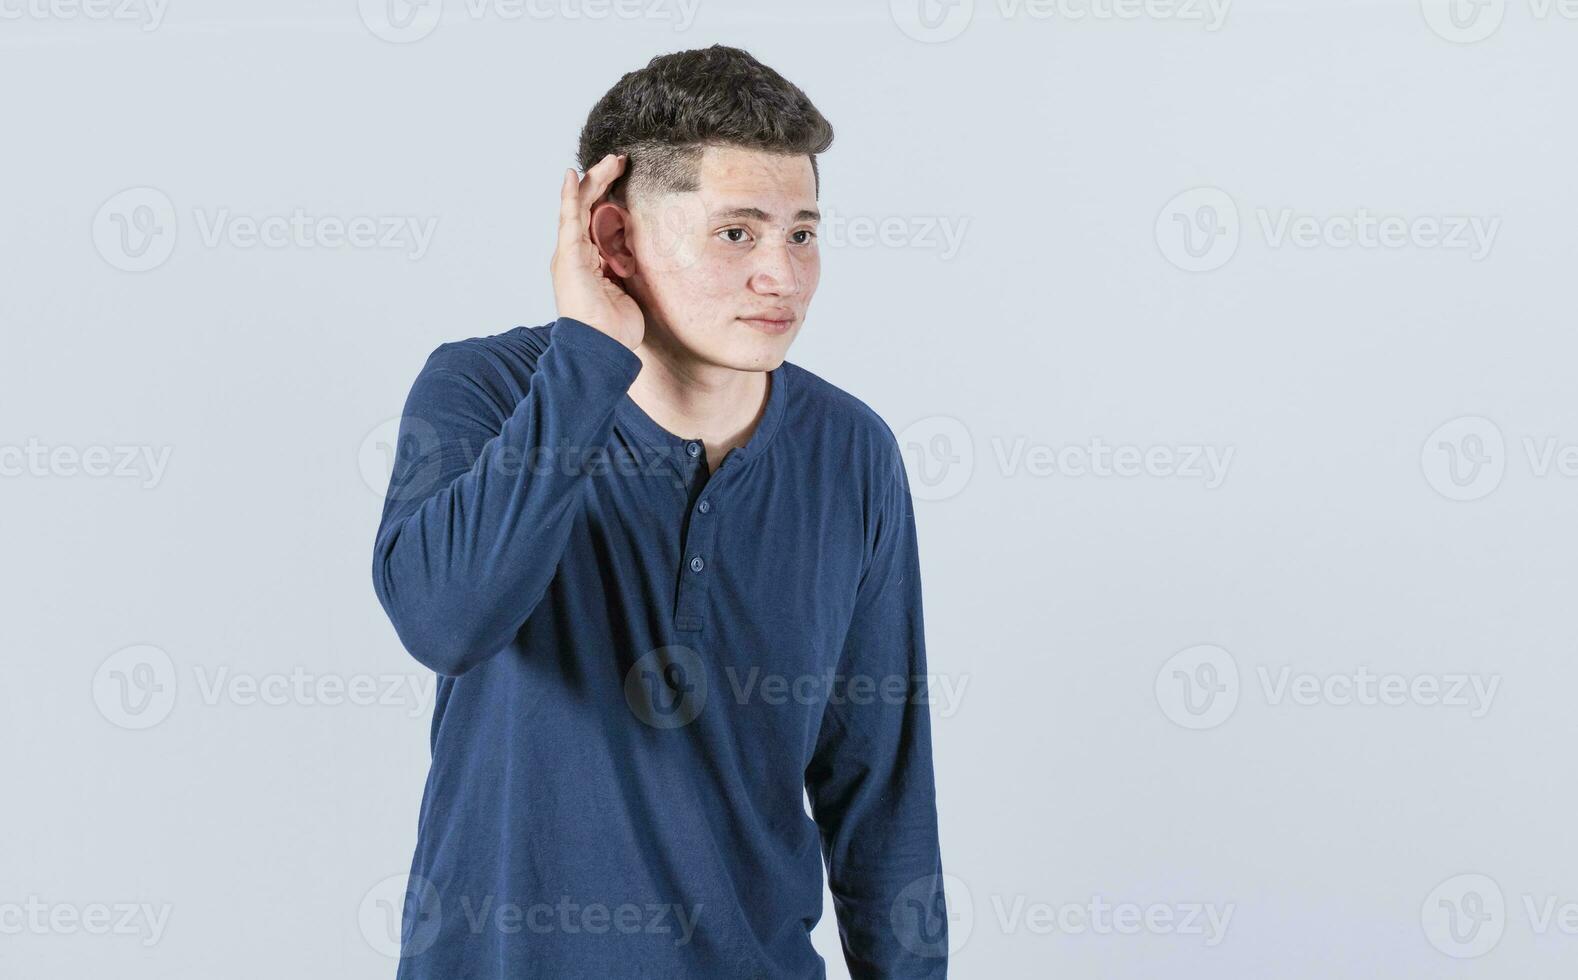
[{"x": 724, "y": 274}]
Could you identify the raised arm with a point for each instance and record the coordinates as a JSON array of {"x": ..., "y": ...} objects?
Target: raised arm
[
  {"x": 469, "y": 541},
  {"x": 870, "y": 779},
  {"x": 483, "y": 496}
]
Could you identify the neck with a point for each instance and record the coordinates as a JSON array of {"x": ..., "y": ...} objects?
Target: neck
[{"x": 694, "y": 399}]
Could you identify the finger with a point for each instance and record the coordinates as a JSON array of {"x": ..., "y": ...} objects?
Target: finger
[
  {"x": 571, "y": 227},
  {"x": 600, "y": 178}
]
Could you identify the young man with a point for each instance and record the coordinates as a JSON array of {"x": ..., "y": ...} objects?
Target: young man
[{"x": 670, "y": 584}]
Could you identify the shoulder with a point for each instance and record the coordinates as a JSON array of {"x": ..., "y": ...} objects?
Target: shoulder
[
  {"x": 487, "y": 368},
  {"x": 843, "y": 423},
  {"x": 506, "y": 354}
]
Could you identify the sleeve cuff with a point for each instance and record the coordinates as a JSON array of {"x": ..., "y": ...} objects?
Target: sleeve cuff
[{"x": 578, "y": 336}]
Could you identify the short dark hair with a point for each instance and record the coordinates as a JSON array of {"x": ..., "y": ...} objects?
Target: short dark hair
[{"x": 663, "y": 116}]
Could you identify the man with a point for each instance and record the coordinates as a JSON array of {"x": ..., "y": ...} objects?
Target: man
[{"x": 670, "y": 584}]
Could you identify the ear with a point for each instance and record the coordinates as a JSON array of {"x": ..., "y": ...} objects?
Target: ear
[{"x": 610, "y": 232}]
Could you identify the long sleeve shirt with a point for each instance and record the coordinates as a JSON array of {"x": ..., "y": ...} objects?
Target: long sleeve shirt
[{"x": 666, "y": 695}]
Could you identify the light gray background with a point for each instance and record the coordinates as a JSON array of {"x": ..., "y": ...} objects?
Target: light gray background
[{"x": 1058, "y": 597}]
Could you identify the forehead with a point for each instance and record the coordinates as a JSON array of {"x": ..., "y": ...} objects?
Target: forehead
[{"x": 733, "y": 176}]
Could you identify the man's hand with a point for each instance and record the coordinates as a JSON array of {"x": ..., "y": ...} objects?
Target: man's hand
[{"x": 582, "y": 288}]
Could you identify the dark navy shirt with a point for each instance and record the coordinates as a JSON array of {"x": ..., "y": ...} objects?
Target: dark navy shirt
[{"x": 648, "y": 670}]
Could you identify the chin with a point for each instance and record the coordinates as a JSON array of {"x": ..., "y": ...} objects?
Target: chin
[
  {"x": 753, "y": 359},
  {"x": 765, "y": 353},
  {"x": 736, "y": 346},
  {"x": 744, "y": 352}
]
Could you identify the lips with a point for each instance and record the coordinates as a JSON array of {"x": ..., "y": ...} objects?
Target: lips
[{"x": 776, "y": 321}]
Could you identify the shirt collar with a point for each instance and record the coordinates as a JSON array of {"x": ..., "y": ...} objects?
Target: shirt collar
[{"x": 637, "y": 422}]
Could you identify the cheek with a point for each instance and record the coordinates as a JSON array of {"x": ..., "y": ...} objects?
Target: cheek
[
  {"x": 670, "y": 236},
  {"x": 810, "y": 273},
  {"x": 695, "y": 293},
  {"x": 666, "y": 254}
]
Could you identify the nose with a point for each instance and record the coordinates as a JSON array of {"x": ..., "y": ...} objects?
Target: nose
[{"x": 775, "y": 273}]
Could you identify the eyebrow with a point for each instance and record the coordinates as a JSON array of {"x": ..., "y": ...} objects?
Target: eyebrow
[{"x": 757, "y": 214}]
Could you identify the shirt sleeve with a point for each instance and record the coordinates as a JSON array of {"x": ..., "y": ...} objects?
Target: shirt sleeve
[
  {"x": 469, "y": 540},
  {"x": 870, "y": 779}
]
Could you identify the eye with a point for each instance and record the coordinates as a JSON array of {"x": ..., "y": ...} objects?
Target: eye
[
  {"x": 809, "y": 236},
  {"x": 727, "y": 234}
]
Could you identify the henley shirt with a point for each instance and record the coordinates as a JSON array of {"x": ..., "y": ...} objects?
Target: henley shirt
[{"x": 666, "y": 696}]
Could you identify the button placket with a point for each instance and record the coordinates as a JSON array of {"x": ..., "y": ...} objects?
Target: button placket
[{"x": 700, "y": 559}]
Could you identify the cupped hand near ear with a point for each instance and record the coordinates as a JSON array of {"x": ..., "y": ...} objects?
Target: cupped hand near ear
[{"x": 582, "y": 287}]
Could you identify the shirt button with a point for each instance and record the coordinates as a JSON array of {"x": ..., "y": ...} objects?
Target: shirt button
[
  {"x": 704, "y": 506},
  {"x": 696, "y": 564},
  {"x": 694, "y": 448}
]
